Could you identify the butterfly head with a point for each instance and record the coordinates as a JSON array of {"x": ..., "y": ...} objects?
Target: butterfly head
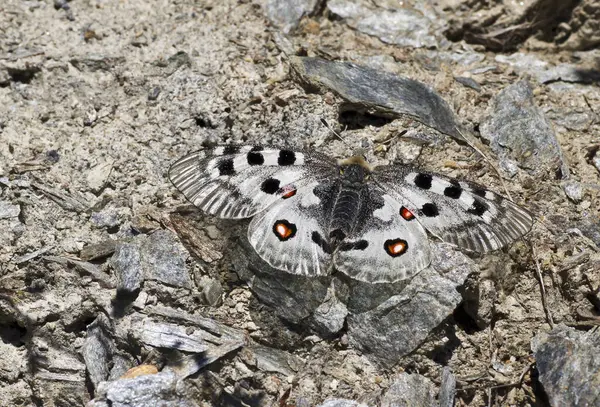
[{"x": 355, "y": 170}]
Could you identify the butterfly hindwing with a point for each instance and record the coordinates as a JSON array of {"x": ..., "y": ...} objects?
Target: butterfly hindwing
[
  {"x": 389, "y": 245},
  {"x": 290, "y": 235},
  {"x": 235, "y": 181},
  {"x": 458, "y": 212}
]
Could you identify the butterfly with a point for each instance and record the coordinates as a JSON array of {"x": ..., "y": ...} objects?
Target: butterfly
[{"x": 312, "y": 213}]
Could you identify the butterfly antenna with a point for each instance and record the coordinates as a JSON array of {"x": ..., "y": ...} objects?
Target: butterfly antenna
[{"x": 335, "y": 133}]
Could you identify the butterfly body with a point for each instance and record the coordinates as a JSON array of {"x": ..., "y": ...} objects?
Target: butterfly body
[{"x": 312, "y": 213}]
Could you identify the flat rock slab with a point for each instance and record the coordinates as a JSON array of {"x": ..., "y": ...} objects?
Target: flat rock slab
[
  {"x": 286, "y": 14},
  {"x": 405, "y": 26},
  {"x": 520, "y": 134},
  {"x": 400, "y": 324},
  {"x": 8, "y": 210},
  {"x": 569, "y": 365},
  {"x": 148, "y": 390},
  {"x": 158, "y": 257},
  {"x": 379, "y": 93}
]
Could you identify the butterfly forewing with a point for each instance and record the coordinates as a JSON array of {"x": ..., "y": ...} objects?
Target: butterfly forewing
[
  {"x": 458, "y": 212},
  {"x": 239, "y": 181}
]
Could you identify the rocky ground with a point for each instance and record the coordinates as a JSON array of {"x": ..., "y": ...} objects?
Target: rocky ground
[{"x": 116, "y": 292}]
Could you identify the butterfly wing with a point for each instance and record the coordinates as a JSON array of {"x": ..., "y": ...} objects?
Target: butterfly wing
[
  {"x": 290, "y": 235},
  {"x": 458, "y": 212},
  {"x": 236, "y": 182},
  {"x": 384, "y": 246}
]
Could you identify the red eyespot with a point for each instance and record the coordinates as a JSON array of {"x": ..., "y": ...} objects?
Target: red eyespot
[
  {"x": 288, "y": 191},
  {"x": 284, "y": 230},
  {"x": 289, "y": 194},
  {"x": 395, "y": 247},
  {"x": 406, "y": 214}
]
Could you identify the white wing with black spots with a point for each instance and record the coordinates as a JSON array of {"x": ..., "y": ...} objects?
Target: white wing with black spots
[
  {"x": 239, "y": 181},
  {"x": 390, "y": 245},
  {"x": 458, "y": 212},
  {"x": 313, "y": 214},
  {"x": 290, "y": 235}
]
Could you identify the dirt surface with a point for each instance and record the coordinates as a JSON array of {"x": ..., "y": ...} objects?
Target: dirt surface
[{"x": 98, "y": 98}]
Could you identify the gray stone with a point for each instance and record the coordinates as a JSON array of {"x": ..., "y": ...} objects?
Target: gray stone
[
  {"x": 544, "y": 72},
  {"x": 404, "y": 26},
  {"x": 341, "y": 403},
  {"x": 107, "y": 218},
  {"x": 286, "y": 14},
  {"x": 148, "y": 390},
  {"x": 7, "y": 210},
  {"x": 517, "y": 129},
  {"x": 170, "y": 336},
  {"x": 274, "y": 360},
  {"x": 590, "y": 228},
  {"x": 573, "y": 190},
  {"x": 61, "y": 197},
  {"x": 97, "y": 177},
  {"x": 212, "y": 292},
  {"x": 568, "y": 362},
  {"x": 98, "y": 250},
  {"x": 329, "y": 317},
  {"x": 126, "y": 262},
  {"x": 157, "y": 257},
  {"x": 410, "y": 390},
  {"x": 577, "y": 120},
  {"x": 209, "y": 340},
  {"x": 164, "y": 259},
  {"x": 98, "y": 350},
  {"x": 468, "y": 82},
  {"x": 401, "y": 323},
  {"x": 379, "y": 93},
  {"x": 447, "y": 393}
]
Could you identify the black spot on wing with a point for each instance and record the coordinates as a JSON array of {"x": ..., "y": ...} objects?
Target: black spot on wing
[
  {"x": 358, "y": 245},
  {"x": 257, "y": 148},
  {"x": 479, "y": 191},
  {"x": 231, "y": 149},
  {"x": 286, "y": 157},
  {"x": 454, "y": 191},
  {"x": 430, "y": 210},
  {"x": 337, "y": 236},
  {"x": 478, "y": 208},
  {"x": 319, "y": 241},
  {"x": 270, "y": 186},
  {"x": 225, "y": 167},
  {"x": 255, "y": 158},
  {"x": 423, "y": 181}
]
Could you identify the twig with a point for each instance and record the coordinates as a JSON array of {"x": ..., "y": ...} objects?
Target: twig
[{"x": 542, "y": 287}]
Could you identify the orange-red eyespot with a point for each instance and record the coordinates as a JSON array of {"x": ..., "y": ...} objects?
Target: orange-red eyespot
[
  {"x": 284, "y": 230},
  {"x": 406, "y": 214},
  {"x": 288, "y": 193},
  {"x": 395, "y": 247}
]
